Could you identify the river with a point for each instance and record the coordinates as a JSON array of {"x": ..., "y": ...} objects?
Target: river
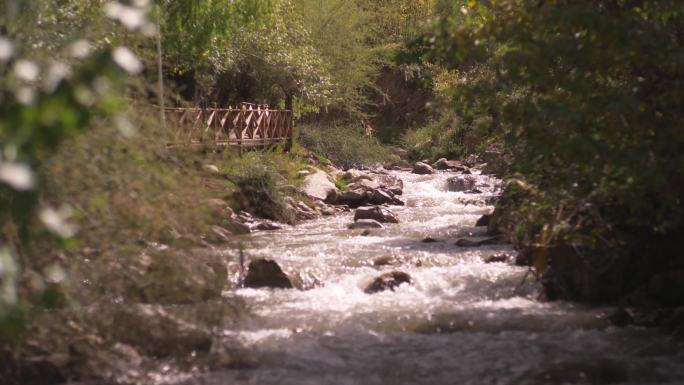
[{"x": 463, "y": 321}]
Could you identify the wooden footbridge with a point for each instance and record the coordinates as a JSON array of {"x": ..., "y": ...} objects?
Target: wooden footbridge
[{"x": 246, "y": 126}]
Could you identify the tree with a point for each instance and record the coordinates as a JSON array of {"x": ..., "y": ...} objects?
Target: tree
[{"x": 587, "y": 97}]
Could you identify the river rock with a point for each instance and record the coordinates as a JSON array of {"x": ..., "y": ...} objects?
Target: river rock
[
  {"x": 219, "y": 234},
  {"x": 370, "y": 188},
  {"x": 460, "y": 183},
  {"x": 221, "y": 208},
  {"x": 353, "y": 198},
  {"x": 353, "y": 174},
  {"x": 212, "y": 169},
  {"x": 478, "y": 241},
  {"x": 484, "y": 220},
  {"x": 388, "y": 281},
  {"x": 441, "y": 164},
  {"x": 644, "y": 317},
  {"x": 390, "y": 183},
  {"x": 471, "y": 160},
  {"x": 380, "y": 197},
  {"x": 267, "y": 225},
  {"x": 401, "y": 165},
  {"x": 422, "y": 168},
  {"x": 235, "y": 226},
  {"x": 320, "y": 186},
  {"x": 266, "y": 273},
  {"x": 379, "y": 214},
  {"x": 365, "y": 224},
  {"x": 384, "y": 260},
  {"x": 326, "y": 210},
  {"x": 497, "y": 258},
  {"x": 305, "y": 280},
  {"x": 363, "y": 184},
  {"x": 303, "y": 211},
  {"x": 444, "y": 164}
]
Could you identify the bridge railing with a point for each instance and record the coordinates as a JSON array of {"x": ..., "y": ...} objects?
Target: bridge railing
[{"x": 248, "y": 125}]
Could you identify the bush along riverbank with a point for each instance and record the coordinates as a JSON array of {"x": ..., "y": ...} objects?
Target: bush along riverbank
[
  {"x": 582, "y": 104},
  {"x": 602, "y": 260}
]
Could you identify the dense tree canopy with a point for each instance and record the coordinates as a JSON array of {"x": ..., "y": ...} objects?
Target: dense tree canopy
[{"x": 585, "y": 98}]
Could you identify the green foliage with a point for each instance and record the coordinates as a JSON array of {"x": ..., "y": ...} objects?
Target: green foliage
[
  {"x": 257, "y": 180},
  {"x": 258, "y": 188},
  {"x": 586, "y": 97},
  {"x": 339, "y": 31},
  {"x": 265, "y": 51},
  {"x": 344, "y": 145},
  {"x": 199, "y": 34},
  {"x": 43, "y": 103},
  {"x": 303, "y": 54},
  {"x": 340, "y": 183},
  {"x": 439, "y": 138},
  {"x": 395, "y": 22},
  {"x": 127, "y": 189}
]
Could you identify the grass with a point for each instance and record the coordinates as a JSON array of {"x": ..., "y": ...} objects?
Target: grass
[
  {"x": 344, "y": 146},
  {"x": 340, "y": 183}
]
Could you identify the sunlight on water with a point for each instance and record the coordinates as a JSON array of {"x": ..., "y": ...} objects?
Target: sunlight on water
[{"x": 462, "y": 321}]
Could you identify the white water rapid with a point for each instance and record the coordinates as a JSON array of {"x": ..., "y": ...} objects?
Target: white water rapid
[{"x": 463, "y": 321}]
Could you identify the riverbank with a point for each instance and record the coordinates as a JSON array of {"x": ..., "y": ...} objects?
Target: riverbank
[{"x": 151, "y": 252}]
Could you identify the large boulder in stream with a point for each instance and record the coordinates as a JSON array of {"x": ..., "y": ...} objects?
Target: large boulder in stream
[
  {"x": 266, "y": 273},
  {"x": 441, "y": 164},
  {"x": 381, "y": 197},
  {"x": 444, "y": 164},
  {"x": 370, "y": 188},
  {"x": 388, "y": 281},
  {"x": 423, "y": 169},
  {"x": 319, "y": 185},
  {"x": 376, "y": 213},
  {"x": 389, "y": 183},
  {"x": 353, "y": 198},
  {"x": 461, "y": 183}
]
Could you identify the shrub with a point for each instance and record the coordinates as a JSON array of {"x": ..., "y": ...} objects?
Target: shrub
[
  {"x": 439, "y": 138},
  {"x": 344, "y": 145},
  {"x": 258, "y": 191}
]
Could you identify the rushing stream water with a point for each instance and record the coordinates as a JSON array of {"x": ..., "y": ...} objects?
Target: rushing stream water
[{"x": 462, "y": 322}]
